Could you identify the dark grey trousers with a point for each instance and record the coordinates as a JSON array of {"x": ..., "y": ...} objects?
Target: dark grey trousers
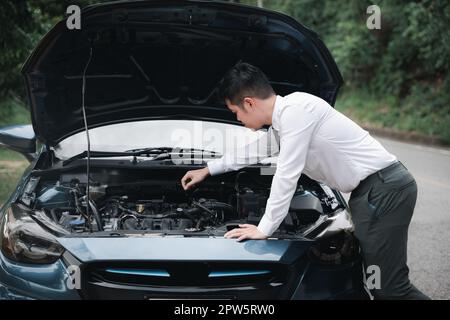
[{"x": 381, "y": 208}]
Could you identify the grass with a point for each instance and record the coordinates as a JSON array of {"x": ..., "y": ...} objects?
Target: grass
[
  {"x": 12, "y": 164},
  {"x": 412, "y": 115},
  {"x": 13, "y": 112}
]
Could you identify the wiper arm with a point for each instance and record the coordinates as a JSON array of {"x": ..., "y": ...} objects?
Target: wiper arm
[
  {"x": 150, "y": 150},
  {"x": 164, "y": 150},
  {"x": 196, "y": 153},
  {"x": 160, "y": 152},
  {"x": 186, "y": 151}
]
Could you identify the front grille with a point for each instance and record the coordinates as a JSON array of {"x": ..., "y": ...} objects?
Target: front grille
[{"x": 163, "y": 280}]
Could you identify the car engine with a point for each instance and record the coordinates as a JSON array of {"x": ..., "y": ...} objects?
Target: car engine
[{"x": 164, "y": 207}]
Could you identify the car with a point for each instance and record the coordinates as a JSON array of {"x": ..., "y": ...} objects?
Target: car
[{"x": 116, "y": 109}]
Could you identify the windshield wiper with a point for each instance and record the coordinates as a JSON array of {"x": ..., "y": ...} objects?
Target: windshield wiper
[
  {"x": 160, "y": 153},
  {"x": 170, "y": 152},
  {"x": 151, "y": 150}
]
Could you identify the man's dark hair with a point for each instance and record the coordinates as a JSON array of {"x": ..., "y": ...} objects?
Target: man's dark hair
[{"x": 244, "y": 80}]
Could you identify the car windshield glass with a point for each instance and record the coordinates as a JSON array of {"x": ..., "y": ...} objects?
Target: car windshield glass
[{"x": 203, "y": 135}]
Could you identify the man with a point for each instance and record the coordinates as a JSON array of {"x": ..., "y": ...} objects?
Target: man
[{"x": 320, "y": 142}]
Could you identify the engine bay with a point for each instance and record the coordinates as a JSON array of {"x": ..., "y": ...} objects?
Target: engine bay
[{"x": 161, "y": 206}]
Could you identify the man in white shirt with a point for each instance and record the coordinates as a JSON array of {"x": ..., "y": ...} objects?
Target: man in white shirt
[{"x": 317, "y": 140}]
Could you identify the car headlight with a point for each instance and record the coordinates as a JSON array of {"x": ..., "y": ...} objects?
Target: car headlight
[{"x": 23, "y": 240}]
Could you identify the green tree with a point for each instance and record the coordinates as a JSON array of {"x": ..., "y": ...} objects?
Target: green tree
[{"x": 23, "y": 23}]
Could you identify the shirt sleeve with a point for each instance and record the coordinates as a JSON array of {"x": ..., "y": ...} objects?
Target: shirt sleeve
[
  {"x": 266, "y": 145},
  {"x": 296, "y": 129}
]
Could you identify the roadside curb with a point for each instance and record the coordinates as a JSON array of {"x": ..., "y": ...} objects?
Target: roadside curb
[{"x": 412, "y": 137}]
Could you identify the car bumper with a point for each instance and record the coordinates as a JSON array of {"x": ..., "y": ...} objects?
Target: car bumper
[{"x": 309, "y": 281}]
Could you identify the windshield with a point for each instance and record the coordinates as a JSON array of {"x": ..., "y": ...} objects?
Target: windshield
[{"x": 211, "y": 136}]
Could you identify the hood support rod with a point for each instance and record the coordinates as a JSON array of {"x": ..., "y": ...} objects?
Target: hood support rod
[{"x": 83, "y": 93}]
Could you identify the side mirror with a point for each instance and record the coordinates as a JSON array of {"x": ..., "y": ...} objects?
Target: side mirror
[{"x": 20, "y": 138}]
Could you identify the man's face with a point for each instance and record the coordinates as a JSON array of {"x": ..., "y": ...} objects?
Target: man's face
[{"x": 250, "y": 114}]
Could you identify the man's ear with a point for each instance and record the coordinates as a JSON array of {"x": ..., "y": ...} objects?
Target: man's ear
[{"x": 248, "y": 103}]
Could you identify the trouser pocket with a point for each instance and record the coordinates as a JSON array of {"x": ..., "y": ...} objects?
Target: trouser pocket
[{"x": 383, "y": 197}]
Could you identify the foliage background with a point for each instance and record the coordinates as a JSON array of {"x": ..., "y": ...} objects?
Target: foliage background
[{"x": 396, "y": 77}]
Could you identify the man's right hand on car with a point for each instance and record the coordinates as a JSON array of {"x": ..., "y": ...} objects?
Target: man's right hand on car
[{"x": 193, "y": 177}]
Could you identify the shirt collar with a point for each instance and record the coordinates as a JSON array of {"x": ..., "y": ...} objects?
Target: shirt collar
[{"x": 276, "y": 111}]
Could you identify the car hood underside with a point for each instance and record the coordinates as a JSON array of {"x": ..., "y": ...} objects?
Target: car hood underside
[{"x": 164, "y": 59}]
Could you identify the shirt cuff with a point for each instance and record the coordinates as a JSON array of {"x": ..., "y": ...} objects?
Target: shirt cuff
[
  {"x": 266, "y": 226},
  {"x": 215, "y": 167}
]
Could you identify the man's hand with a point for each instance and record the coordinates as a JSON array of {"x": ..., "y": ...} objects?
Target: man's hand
[
  {"x": 191, "y": 178},
  {"x": 246, "y": 231}
]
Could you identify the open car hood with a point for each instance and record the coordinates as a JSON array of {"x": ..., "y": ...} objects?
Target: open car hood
[{"x": 164, "y": 59}]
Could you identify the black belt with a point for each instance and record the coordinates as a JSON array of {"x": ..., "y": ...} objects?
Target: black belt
[{"x": 376, "y": 176}]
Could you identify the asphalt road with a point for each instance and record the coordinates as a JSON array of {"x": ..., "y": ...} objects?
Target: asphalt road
[{"x": 429, "y": 232}]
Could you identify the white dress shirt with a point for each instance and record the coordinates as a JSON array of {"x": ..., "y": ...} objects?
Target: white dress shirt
[{"x": 312, "y": 138}]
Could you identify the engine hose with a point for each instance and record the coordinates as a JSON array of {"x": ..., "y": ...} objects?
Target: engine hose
[
  {"x": 97, "y": 217},
  {"x": 53, "y": 214},
  {"x": 77, "y": 205},
  {"x": 222, "y": 206},
  {"x": 200, "y": 221},
  {"x": 191, "y": 211},
  {"x": 199, "y": 205}
]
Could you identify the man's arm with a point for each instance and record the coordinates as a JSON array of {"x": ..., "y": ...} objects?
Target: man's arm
[
  {"x": 296, "y": 130},
  {"x": 266, "y": 145}
]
